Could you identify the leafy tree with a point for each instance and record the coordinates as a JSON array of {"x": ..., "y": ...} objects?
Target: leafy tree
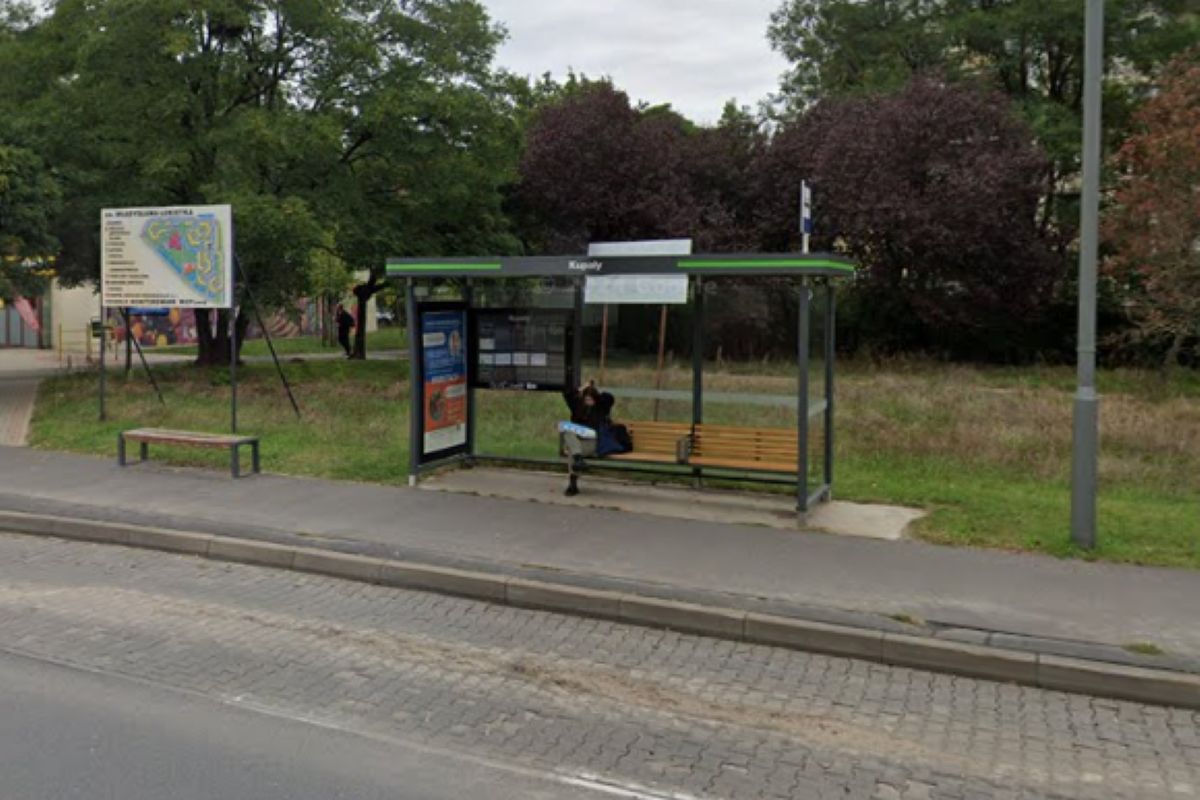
[
  {"x": 934, "y": 191},
  {"x": 1153, "y": 226},
  {"x": 29, "y": 197},
  {"x": 1029, "y": 49},
  {"x": 586, "y": 174},
  {"x": 377, "y": 122}
]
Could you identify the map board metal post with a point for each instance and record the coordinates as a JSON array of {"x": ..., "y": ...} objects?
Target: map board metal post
[{"x": 103, "y": 366}]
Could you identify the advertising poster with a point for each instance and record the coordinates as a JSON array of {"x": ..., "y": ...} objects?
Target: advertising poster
[
  {"x": 444, "y": 373},
  {"x": 176, "y": 257}
]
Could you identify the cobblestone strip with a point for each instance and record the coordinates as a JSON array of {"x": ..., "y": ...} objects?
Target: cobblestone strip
[{"x": 714, "y": 719}]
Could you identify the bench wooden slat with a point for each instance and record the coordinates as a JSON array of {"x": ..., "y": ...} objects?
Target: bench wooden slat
[
  {"x": 653, "y": 458},
  {"x": 197, "y": 438},
  {"x": 734, "y": 447},
  {"x": 717, "y": 446},
  {"x": 729, "y": 463}
]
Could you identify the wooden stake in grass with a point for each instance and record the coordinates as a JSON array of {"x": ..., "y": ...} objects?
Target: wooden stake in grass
[{"x": 662, "y": 340}]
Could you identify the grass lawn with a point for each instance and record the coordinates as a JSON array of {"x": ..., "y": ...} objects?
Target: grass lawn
[
  {"x": 987, "y": 451},
  {"x": 389, "y": 338}
]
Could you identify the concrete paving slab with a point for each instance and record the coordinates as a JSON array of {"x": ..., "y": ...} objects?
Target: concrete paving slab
[{"x": 679, "y": 502}]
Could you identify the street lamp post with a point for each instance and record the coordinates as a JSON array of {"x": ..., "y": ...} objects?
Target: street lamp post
[{"x": 1087, "y": 402}]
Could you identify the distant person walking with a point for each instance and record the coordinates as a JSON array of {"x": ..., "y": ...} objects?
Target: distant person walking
[{"x": 345, "y": 322}]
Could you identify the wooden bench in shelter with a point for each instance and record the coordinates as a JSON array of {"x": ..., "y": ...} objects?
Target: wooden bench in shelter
[
  {"x": 147, "y": 436},
  {"x": 749, "y": 449},
  {"x": 656, "y": 442},
  {"x": 715, "y": 446}
]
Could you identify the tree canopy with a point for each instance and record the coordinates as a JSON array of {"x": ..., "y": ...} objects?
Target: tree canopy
[
  {"x": 1032, "y": 50},
  {"x": 1153, "y": 226},
  {"x": 367, "y": 127}
]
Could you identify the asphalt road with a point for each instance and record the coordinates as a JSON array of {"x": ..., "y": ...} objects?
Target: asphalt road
[
  {"x": 70, "y": 733},
  {"x": 134, "y": 674}
]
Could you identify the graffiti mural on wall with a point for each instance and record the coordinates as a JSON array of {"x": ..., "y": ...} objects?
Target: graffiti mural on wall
[{"x": 178, "y": 326}]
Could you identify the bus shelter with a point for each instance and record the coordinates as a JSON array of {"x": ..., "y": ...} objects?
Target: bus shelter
[{"x": 458, "y": 347}]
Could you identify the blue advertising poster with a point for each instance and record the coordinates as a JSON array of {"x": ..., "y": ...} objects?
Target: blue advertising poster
[{"x": 444, "y": 374}]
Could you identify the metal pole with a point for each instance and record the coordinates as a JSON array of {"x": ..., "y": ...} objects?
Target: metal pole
[
  {"x": 697, "y": 362},
  {"x": 142, "y": 356},
  {"x": 697, "y": 350},
  {"x": 1087, "y": 402},
  {"x": 103, "y": 366},
  {"x": 233, "y": 368},
  {"x": 662, "y": 341},
  {"x": 577, "y": 336},
  {"x": 472, "y": 356},
  {"x": 128, "y": 345},
  {"x": 603, "y": 342},
  {"x": 267, "y": 336},
  {"x": 830, "y": 334},
  {"x": 802, "y": 348},
  {"x": 414, "y": 381}
]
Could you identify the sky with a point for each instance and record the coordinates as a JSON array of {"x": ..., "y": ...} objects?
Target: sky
[{"x": 694, "y": 54}]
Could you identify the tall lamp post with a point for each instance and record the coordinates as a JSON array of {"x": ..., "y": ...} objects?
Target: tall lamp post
[{"x": 1087, "y": 402}]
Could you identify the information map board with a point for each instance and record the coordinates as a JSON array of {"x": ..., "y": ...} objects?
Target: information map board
[
  {"x": 522, "y": 349},
  {"x": 443, "y": 373},
  {"x": 174, "y": 257}
]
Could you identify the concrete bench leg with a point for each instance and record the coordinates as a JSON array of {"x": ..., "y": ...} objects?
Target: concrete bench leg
[
  {"x": 143, "y": 450},
  {"x": 254, "y": 457},
  {"x": 120, "y": 449},
  {"x": 234, "y": 464}
]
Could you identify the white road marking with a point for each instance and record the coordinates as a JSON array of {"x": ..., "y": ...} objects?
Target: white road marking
[{"x": 632, "y": 791}]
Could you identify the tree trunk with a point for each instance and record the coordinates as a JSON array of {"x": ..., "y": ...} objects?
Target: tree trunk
[
  {"x": 128, "y": 343},
  {"x": 1171, "y": 359},
  {"x": 328, "y": 334},
  {"x": 363, "y": 292},
  {"x": 213, "y": 346}
]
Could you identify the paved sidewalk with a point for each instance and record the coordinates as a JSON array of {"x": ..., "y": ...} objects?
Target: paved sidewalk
[
  {"x": 739, "y": 564},
  {"x": 16, "y": 409}
]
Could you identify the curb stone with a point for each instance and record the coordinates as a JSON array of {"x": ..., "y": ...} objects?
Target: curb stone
[{"x": 1139, "y": 684}]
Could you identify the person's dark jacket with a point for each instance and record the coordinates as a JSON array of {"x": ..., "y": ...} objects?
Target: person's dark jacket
[
  {"x": 596, "y": 416},
  {"x": 344, "y": 322}
]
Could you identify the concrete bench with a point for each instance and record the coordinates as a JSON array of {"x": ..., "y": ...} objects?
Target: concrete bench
[{"x": 147, "y": 436}]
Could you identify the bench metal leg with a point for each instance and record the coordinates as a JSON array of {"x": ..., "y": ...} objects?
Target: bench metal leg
[
  {"x": 254, "y": 457},
  {"x": 120, "y": 449},
  {"x": 143, "y": 450},
  {"x": 234, "y": 464}
]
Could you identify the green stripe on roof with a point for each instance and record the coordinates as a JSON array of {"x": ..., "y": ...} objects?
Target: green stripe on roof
[
  {"x": 464, "y": 267},
  {"x": 761, "y": 263}
]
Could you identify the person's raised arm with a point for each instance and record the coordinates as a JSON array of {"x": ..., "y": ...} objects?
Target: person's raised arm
[
  {"x": 571, "y": 396},
  {"x": 605, "y": 403}
]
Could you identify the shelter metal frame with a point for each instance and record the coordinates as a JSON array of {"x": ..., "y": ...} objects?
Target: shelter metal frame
[{"x": 818, "y": 271}]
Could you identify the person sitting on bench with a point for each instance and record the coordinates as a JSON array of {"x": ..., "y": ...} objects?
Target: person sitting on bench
[{"x": 590, "y": 408}]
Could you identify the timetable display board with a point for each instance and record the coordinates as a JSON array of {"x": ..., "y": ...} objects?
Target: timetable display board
[{"x": 522, "y": 349}]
